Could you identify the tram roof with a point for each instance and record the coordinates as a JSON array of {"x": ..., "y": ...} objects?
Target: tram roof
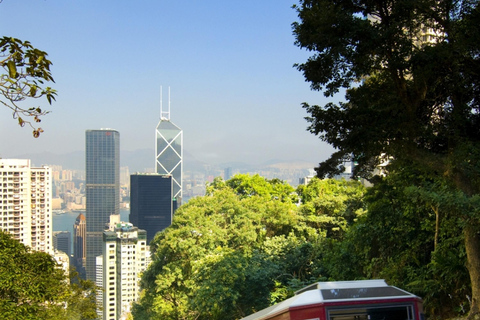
[{"x": 335, "y": 291}]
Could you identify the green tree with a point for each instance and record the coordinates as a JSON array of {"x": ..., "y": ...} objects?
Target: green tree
[
  {"x": 246, "y": 185},
  {"x": 205, "y": 253},
  {"x": 331, "y": 205},
  {"x": 430, "y": 259},
  {"x": 33, "y": 286},
  {"x": 82, "y": 299},
  {"x": 25, "y": 70},
  {"x": 411, "y": 73}
]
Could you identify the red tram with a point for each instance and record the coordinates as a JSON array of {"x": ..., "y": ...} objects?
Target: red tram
[{"x": 346, "y": 300}]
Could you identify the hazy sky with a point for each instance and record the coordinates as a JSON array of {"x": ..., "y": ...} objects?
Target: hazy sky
[{"x": 229, "y": 66}]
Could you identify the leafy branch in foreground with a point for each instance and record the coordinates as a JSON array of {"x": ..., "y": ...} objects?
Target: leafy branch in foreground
[{"x": 25, "y": 70}]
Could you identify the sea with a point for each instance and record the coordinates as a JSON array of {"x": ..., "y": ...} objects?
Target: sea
[{"x": 65, "y": 221}]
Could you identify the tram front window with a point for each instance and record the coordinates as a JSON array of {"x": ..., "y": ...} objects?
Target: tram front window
[{"x": 373, "y": 313}]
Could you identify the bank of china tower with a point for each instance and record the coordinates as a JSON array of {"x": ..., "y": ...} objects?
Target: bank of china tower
[{"x": 169, "y": 153}]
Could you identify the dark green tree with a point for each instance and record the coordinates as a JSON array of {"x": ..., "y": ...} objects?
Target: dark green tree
[
  {"x": 411, "y": 236},
  {"x": 411, "y": 70},
  {"x": 25, "y": 71},
  {"x": 33, "y": 286}
]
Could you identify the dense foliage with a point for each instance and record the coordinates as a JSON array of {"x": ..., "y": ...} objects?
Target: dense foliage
[
  {"x": 411, "y": 71},
  {"x": 33, "y": 286},
  {"x": 252, "y": 242},
  {"x": 412, "y": 237},
  {"x": 244, "y": 246}
]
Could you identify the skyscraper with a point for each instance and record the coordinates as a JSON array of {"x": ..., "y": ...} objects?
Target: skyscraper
[
  {"x": 26, "y": 203},
  {"x": 102, "y": 188},
  {"x": 227, "y": 174},
  {"x": 151, "y": 202},
  {"x": 62, "y": 241},
  {"x": 169, "y": 152},
  {"x": 80, "y": 244}
]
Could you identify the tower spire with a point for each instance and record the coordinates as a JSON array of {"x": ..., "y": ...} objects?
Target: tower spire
[{"x": 164, "y": 115}]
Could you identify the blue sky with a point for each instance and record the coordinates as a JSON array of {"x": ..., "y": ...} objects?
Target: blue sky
[{"x": 229, "y": 66}]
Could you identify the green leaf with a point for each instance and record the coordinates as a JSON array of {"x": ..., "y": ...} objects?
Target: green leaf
[
  {"x": 33, "y": 91},
  {"x": 12, "y": 69}
]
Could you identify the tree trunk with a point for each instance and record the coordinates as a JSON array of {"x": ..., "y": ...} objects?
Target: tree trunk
[{"x": 472, "y": 247}]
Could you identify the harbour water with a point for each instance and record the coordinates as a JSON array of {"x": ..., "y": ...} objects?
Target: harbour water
[{"x": 65, "y": 221}]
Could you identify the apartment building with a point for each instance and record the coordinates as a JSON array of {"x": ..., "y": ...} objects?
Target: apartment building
[{"x": 26, "y": 203}]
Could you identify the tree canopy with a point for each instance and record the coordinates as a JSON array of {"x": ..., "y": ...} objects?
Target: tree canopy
[
  {"x": 411, "y": 71},
  {"x": 242, "y": 247},
  {"x": 33, "y": 286},
  {"x": 236, "y": 251},
  {"x": 25, "y": 71},
  {"x": 411, "y": 236}
]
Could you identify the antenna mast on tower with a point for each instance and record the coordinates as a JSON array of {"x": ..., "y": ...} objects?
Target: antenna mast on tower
[{"x": 164, "y": 115}]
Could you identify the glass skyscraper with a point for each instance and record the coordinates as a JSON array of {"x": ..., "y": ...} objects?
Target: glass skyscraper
[
  {"x": 169, "y": 154},
  {"x": 151, "y": 203},
  {"x": 102, "y": 164}
]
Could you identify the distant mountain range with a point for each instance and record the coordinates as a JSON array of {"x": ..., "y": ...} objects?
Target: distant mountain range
[{"x": 142, "y": 160}]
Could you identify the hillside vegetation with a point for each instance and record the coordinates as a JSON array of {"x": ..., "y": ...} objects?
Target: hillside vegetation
[{"x": 251, "y": 242}]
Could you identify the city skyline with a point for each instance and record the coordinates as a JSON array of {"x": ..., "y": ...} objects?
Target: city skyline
[{"x": 229, "y": 66}]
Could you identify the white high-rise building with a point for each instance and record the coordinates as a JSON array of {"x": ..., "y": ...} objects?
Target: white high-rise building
[
  {"x": 99, "y": 283},
  {"x": 26, "y": 203},
  {"x": 125, "y": 256}
]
